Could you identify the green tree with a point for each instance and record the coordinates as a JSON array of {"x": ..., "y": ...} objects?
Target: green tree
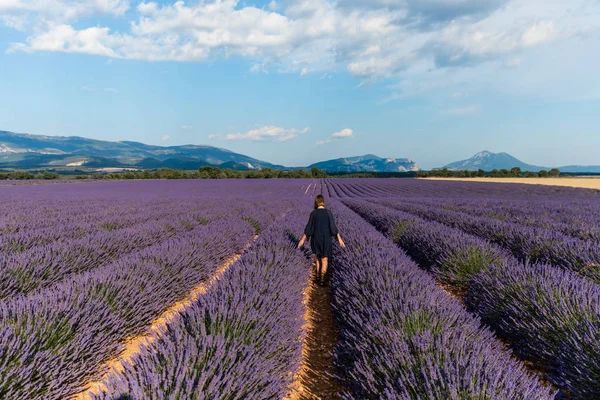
[
  {"x": 21, "y": 175},
  {"x": 209, "y": 172},
  {"x": 50, "y": 175},
  {"x": 267, "y": 173},
  {"x": 554, "y": 172},
  {"x": 543, "y": 173},
  {"x": 516, "y": 172},
  {"x": 317, "y": 173}
]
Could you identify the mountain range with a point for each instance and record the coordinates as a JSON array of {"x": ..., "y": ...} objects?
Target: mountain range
[
  {"x": 367, "y": 163},
  {"x": 25, "y": 151},
  {"x": 489, "y": 161},
  {"x": 18, "y": 150}
]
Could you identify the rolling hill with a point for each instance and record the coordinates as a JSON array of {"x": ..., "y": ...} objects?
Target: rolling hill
[{"x": 18, "y": 150}]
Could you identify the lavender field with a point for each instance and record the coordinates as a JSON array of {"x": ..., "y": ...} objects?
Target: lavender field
[{"x": 445, "y": 290}]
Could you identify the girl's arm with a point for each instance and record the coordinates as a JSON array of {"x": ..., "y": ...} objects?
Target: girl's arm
[
  {"x": 342, "y": 244},
  {"x": 334, "y": 230},
  {"x": 301, "y": 243}
]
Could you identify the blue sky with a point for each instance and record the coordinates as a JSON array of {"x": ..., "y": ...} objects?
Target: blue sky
[{"x": 298, "y": 81}]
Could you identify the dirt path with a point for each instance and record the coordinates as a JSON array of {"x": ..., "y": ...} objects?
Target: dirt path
[
  {"x": 307, "y": 189},
  {"x": 582, "y": 182},
  {"x": 315, "y": 379},
  {"x": 134, "y": 345}
]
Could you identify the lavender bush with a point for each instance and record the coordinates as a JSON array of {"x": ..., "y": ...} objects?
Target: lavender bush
[
  {"x": 402, "y": 337},
  {"x": 548, "y": 315},
  {"x": 526, "y": 243},
  {"x": 450, "y": 254},
  {"x": 241, "y": 340}
]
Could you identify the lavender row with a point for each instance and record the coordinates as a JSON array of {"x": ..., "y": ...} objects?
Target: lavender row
[
  {"x": 64, "y": 230},
  {"x": 578, "y": 220},
  {"x": 29, "y": 215},
  {"x": 52, "y": 342},
  {"x": 43, "y": 206},
  {"x": 451, "y": 255},
  {"x": 549, "y": 316},
  {"x": 44, "y": 266},
  {"x": 70, "y": 222},
  {"x": 528, "y": 244},
  {"x": 422, "y": 188},
  {"x": 402, "y": 337},
  {"x": 242, "y": 340},
  {"x": 47, "y": 265}
]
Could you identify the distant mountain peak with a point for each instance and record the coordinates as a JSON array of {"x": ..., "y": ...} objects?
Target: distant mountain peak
[
  {"x": 367, "y": 163},
  {"x": 488, "y": 161},
  {"x": 482, "y": 154}
]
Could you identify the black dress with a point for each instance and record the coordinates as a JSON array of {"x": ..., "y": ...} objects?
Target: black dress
[{"x": 320, "y": 228}]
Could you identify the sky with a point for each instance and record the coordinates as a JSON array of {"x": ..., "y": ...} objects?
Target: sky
[{"x": 294, "y": 82}]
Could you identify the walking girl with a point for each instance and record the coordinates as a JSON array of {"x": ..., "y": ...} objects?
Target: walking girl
[{"x": 320, "y": 229}]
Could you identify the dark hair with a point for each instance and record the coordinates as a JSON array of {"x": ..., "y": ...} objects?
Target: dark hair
[{"x": 319, "y": 201}]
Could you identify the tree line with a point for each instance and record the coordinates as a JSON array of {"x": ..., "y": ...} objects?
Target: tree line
[
  {"x": 268, "y": 173},
  {"x": 26, "y": 175},
  {"x": 502, "y": 173},
  {"x": 169, "y": 173},
  {"x": 214, "y": 173}
]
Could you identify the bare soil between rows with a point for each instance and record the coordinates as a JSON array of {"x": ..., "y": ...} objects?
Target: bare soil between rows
[{"x": 316, "y": 378}]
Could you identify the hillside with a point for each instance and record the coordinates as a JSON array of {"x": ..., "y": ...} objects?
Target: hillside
[{"x": 19, "y": 150}]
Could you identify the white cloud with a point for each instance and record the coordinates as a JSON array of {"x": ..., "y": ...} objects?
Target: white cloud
[
  {"x": 65, "y": 39},
  {"x": 186, "y": 127},
  {"x": 165, "y": 138},
  {"x": 370, "y": 39},
  {"x": 147, "y": 8},
  {"x": 58, "y": 11},
  {"x": 112, "y": 90},
  {"x": 86, "y": 88},
  {"x": 538, "y": 33},
  {"x": 461, "y": 111},
  {"x": 343, "y": 134},
  {"x": 213, "y": 136},
  {"x": 17, "y": 22},
  {"x": 268, "y": 133}
]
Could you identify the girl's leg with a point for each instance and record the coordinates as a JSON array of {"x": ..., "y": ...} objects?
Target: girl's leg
[
  {"x": 318, "y": 268},
  {"x": 324, "y": 262}
]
